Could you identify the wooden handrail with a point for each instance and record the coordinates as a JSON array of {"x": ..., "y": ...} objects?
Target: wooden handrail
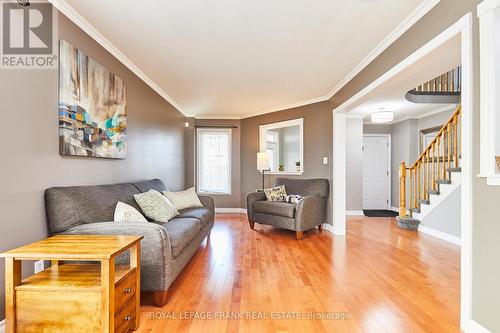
[
  {"x": 457, "y": 112},
  {"x": 429, "y": 168}
]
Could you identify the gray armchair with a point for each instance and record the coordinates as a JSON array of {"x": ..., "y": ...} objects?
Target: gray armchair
[{"x": 308, "y": 213}]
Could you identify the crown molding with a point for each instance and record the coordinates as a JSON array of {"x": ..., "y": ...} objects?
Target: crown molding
[
  {"x": 286, "y": 107},
  {"x": 217, "y": 117},
  {"x": 87, "y": 27}
]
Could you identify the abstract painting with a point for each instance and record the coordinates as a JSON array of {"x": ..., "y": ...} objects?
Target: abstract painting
[{"x": 92, "y": 107}]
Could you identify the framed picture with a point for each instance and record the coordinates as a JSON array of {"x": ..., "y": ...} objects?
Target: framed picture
[{"x": 92, "y": 107}]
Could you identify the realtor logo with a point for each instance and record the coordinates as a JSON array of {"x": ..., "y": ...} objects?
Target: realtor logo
[{"x": 29, "y": 35}]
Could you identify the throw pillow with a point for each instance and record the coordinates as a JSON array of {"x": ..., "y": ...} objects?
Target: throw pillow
[
  {"x": 156, "y": 206},
  {"x": 277, "y": 193},
  {"x": 293, "y": 198},
  {"x": 184, "y": 199},
  {"x": 127, "y": 213}
]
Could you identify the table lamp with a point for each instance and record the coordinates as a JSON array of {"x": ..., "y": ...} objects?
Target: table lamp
[{"x": 262, "y": 164}]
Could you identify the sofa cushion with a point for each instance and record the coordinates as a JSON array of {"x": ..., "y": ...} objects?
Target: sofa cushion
[
  {"x": 127, "y": 213},
  {"x": 275, "y": 193},
  {"x": 156, "y": 206},
  {"x": 152, "y": 184},
  {"x": 70, "y": 206},
  {"x": 305, "y": 187},
  {"x": 184, "y": 199},
  {"x": 202, "y": 214},
  {"x": 278, "y": 208},
  {"x": 181, "y": 231}
]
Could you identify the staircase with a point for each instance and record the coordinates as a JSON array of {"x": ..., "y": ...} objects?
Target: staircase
[
  {"x": 433, "y": 179},
  {"x": 442, "y": 89}
]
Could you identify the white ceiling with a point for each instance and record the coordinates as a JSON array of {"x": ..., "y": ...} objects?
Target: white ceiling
[
  {"x": 236, "y": 58},
  {"x": 390, "y": 95}
]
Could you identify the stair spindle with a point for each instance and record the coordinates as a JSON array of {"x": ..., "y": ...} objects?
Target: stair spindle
[
  {"x": 455, "y": 139},
  {"x": 402, "y": 190},
  {"x": 438, "y": 156},
  {"x": 448, "y": 131},
  {"x": 434, "y": 164},
  {"x": 415, "y": 187}
]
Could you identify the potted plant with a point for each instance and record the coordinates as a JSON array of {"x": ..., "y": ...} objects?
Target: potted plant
[
  {"x": 297, "y": 165},
  {"x": 281, "y": 167}
]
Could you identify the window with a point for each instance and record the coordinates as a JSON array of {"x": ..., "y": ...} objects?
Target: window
[{"x": 214, "y": 160}]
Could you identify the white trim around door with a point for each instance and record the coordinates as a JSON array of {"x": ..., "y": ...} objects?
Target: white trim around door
[
  {"x": 389, "y": 165},
  {"x": 462, "y": 29}
]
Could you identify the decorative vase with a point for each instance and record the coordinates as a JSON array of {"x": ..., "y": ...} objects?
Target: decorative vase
[{"x": 298, "y": 168}]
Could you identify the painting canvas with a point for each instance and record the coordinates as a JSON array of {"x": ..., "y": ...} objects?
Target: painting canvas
[{"x": 92, "y": 107}]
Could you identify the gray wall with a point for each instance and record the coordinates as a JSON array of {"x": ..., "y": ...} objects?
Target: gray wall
[
  {"x": 318, "y": 135},
  {"x": 31, "y": 161},
  {"x": 354, "y": 164}
]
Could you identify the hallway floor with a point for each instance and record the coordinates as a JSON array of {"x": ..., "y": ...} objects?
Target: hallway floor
[{"x": 378, "y": 278}]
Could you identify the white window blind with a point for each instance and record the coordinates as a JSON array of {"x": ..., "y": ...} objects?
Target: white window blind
[{"x": 214, "y": 160}]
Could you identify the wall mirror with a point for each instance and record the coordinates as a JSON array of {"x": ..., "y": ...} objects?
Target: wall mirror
[{"x": 284, "y": 143}]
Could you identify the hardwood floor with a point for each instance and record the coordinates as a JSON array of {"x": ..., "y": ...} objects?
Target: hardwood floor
[{"x": 384, "y": 278}]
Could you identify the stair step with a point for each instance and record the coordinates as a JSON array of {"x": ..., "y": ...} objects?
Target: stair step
[
  {"x": 424, "y": 202},
  {"x": 444, "y": 181},
  {"x": 454, "y": 169},
  {"x": 436, "y": 192},
  {"x": 407, "y": 223},
  {"x": 415, "y": 210}
]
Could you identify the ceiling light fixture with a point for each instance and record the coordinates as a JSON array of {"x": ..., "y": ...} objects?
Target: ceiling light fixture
[{"x": 382, "y": 117}]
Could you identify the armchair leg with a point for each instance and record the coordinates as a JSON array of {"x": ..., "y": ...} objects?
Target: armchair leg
[
  {"x": 320, "y": 227},
  {"x": 160, "y": 298},
  {"x": 252, "y": 225},
  {"x": 300, "y": 235}
]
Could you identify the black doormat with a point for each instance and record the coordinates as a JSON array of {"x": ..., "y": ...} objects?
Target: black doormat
[{"x": 379, "y": 213}]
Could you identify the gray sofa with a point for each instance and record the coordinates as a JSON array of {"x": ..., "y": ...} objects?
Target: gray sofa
[
  {"x": 166, "y": 247},
  {"x": 308, "y": 213}
]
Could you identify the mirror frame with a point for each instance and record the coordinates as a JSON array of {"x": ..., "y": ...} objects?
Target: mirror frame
[{"x": 287, "y": 123}]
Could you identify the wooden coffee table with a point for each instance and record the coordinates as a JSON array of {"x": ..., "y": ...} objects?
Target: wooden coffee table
[{"x": 83, "y": 297}]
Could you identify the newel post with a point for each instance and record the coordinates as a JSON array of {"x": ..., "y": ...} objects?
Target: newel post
[{"x": 402, "y": 190}]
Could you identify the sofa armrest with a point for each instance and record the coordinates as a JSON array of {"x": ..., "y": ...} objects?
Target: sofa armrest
[
  {"x": 155, "y": 241},
  {"x": 251, "y": 199},
  {"x": 208, "y": 203},
  {"x": 310, "y": 212},
  {"x": 156, "y": 252}
]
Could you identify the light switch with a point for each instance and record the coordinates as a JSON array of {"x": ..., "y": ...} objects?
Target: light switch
[{"x": 325, "y": 160}]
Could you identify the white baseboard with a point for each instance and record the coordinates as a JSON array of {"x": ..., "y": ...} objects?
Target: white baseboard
[
  {"x": 328, "y": 227},
  {"x": 231, "y": 210},
  {"x": 354, "y": 213},
  {"x": 474, "y": 327},
  {"x": 439, "y": 234}
]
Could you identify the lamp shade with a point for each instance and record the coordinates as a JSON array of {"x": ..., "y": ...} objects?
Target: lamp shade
[
  {"x": 382, "y": 117},
  {"x": 262, "y": 161}
]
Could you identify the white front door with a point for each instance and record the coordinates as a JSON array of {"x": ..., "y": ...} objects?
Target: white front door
[{"x": 376, "y": 172}]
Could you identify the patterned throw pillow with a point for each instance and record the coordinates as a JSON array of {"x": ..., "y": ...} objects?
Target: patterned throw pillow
[
  {"x": 276, "y": 193},
  {"x": 127, "y": 213},
  {"x": 293, "y": 198},
  {"x": 156, "y": 206},
  {"x": 184, "y": 199}
]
